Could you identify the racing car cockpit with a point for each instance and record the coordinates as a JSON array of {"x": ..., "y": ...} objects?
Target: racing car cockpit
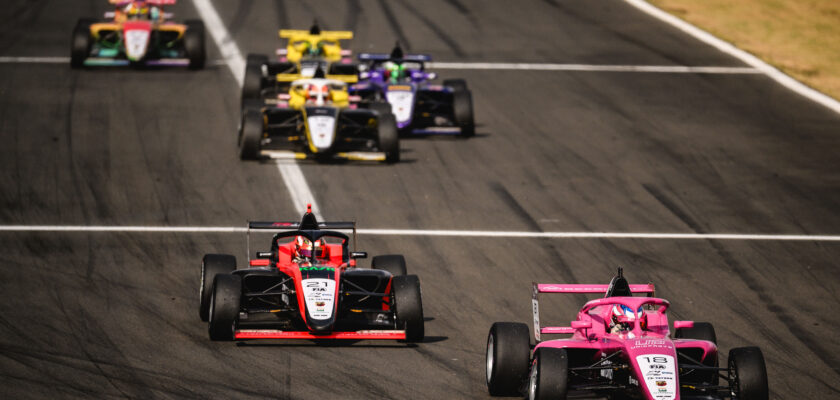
[
  {"x": 134, "y": 10},
  {"x": 318, "y": 92},
  {"x": 310, "y": 246}
]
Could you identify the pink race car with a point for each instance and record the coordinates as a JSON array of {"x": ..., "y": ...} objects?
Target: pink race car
[{"x": 620, "y": 347}]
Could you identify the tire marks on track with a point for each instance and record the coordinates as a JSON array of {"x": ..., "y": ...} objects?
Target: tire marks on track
[
  {"x": 351, "y": 17},
  {"x": 395, "y": 25},
  {"x": 804, "y": 336},
  {"x": 282, "y": 13},
  {"x": 237, "y": 22},
  {"x": 436, "y": 29}
]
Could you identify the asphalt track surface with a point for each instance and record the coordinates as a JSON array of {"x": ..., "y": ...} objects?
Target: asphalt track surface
[{"x": 113, "y": 315}]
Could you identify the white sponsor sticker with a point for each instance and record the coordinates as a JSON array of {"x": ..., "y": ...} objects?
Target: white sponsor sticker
[
  {"x": 658, "y": 373},
  {"x": 402, "y": 104},
  {"x": 321, "y": 130},
  {"x": 319, "y": 294},
  {"x": 135, "y": 43}
]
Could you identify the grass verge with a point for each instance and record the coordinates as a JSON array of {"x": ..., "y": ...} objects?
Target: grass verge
[{"x": 799, "y": 37}]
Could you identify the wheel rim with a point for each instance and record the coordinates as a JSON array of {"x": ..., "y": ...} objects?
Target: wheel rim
[
  {"x": 532, "y": 382},
  {"x": 490, "y": 358},
  {"x": 212, "y": 307},
  {"x": 734, "y": 385},
  {"x": 201, "y": 286}
]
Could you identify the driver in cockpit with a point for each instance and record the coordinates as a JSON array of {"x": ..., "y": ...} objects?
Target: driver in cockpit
[
  {"x": 306, "y": 250},
  {"x": 135, "y": 9},
  {"x": 622, "y": 319}
]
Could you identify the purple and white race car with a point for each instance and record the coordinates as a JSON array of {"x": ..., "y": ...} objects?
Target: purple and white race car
[
  {"x": 420, "y": 106},
  {"x": 620, "y": 347}
]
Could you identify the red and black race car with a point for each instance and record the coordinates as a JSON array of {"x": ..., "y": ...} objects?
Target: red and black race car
[{"x": 307, "y": 286}]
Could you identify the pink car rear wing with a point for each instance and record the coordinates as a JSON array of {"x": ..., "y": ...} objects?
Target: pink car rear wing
[
  {"x": 585, "y": 288},
  {"x": 571, "y": 288}
]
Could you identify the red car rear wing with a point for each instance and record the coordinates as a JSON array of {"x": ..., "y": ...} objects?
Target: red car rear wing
[
  {"x": 295, "y": 225},
  {"x": 280, "y": 226},
  {"x": 538, "y": 288}
]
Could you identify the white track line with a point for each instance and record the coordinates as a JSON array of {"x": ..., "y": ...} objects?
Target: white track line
[
  {"x": 34, "y": 60},
  {"x": 747, "y": 58},
  {"x": 232, "y": 53},
  {"x": 668, "y": 69},
  {"x": 289, "y": 170},
  {"x": 423, "y": 232}
]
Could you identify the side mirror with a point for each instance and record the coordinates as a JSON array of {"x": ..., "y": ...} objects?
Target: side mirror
[
  {"x": 581, "y": 324},
  {"x": 683, "y": 324},
  {"x": 358, "y": 254},
  {"x": 264, "y": 254}
]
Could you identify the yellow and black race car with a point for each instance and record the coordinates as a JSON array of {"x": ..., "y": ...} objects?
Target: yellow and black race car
[
  {"x": 318, "y": 119},
  {"x": 305, "y": 52}
]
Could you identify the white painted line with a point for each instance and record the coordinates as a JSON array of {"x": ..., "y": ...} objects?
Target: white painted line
[
  {"x": 668, "y": 69},
  {"x": 65, "y": 60},
  {"x": 34, "y": 60},
  {"x": 224, "y": 41},
  {"x": 595, "y": 235},
  {"x": 232, "y": 53},
  {"x": 116, "y": 228},
  {"x": 424, "y": 232},
  {"x": 747, "y": 58},
  {"x": 290, "y": 172}
]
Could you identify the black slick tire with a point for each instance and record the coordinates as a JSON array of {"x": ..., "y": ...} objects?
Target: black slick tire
[
  {"x": 224, "y": 307},
  {"x": 80, "y": 44},
  {"x": 408, "y": 306},
  {"x": 194, "y": 44},
  {"x": 393, "y": 263},
  {"x": 462, "y": 109},
  {"x": 507, "y": 357},
  {"x": 250, "y": 134},
  {"x": 747, "y": 374},
  {"x": 389, "y": 137},
  {"x": 212, "y": 265},
  {"x": 549, "y": 375},
  {"x": 252, "y": 85}
]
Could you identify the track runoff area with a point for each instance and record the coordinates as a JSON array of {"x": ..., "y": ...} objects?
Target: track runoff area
[{"x": 301, "y": 194}]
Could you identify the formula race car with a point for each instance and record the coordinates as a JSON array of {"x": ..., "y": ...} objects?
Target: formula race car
[
  {"x": 620, "y": 348},
  {"x": 317, "y": 119},
  {"x": 308, "y": 286},
  {"x": 305, "y": 52},
  {"x": 420, "y": 106},
  {"x": 138, "y": 33}
]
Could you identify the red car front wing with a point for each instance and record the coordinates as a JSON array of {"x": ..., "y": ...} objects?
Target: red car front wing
[{"x": 243, "y": 334}]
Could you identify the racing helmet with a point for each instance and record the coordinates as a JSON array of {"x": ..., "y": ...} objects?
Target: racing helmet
[
  {"x": 135, "y": 8},
  {"x": 624, "y": 317},
  {"x": 393, "y": 71},
  {"x": 305, "y": 248}
]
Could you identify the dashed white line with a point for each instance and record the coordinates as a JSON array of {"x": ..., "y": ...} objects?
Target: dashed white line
[
  {"x": 426, "y": 232},
  {"x": 667, "y": 69},
  {"x": 742, "y": 55},
  {"x": 289, "y": 170}
]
